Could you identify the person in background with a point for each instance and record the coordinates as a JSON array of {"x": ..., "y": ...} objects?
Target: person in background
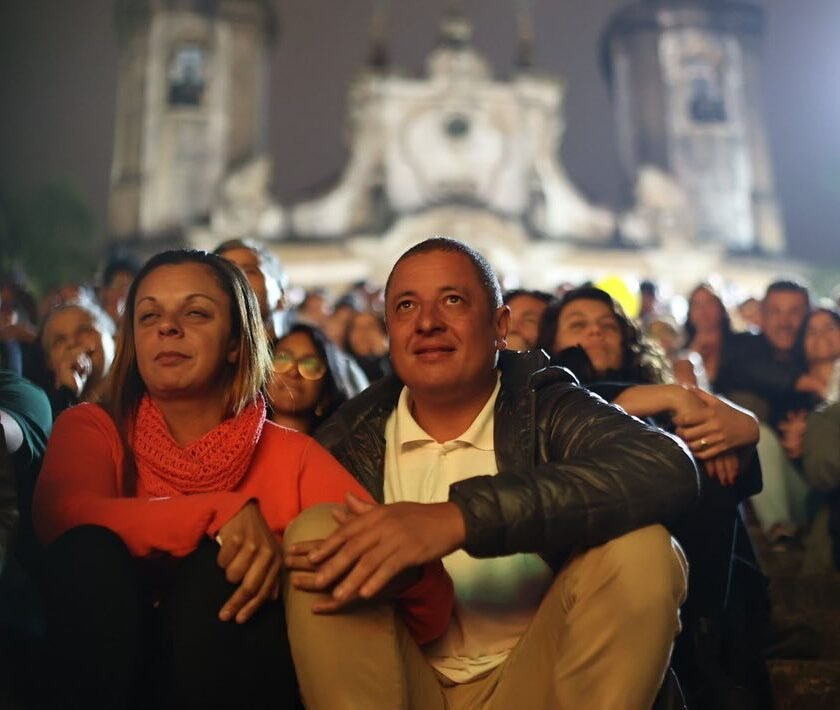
[
  {"x": 342, "y": 312},
  {"x": 77, "y": 344},
  {"x": 767, "y": 373},
  {"x": 117, "y": 276},
  {"x": 366, "y": 341},
  {"x": 588, "y": 332},
  {"x": 25, "y": 423},
  {"x": 310, "y": 379},
  {"x": 314, "y": 309},
  {"x": 267, "y": 278},
  {"x": 749, "y": 311},
  {"x": 526, "y": 309},
  {"x": 650, "y": 307},
  {"x": 821, "y": 465},
  {"x": 821, "y": 346},
  {"x": 162, "y": 511},
  {"x": 708, "y": 329}
]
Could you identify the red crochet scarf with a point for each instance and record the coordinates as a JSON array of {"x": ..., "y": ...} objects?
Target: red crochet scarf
[{"x": 216, "y": 462}]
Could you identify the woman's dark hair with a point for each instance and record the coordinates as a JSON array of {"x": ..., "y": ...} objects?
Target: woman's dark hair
[
  {"x": 336, "y": 389},
  {"x": 642, "y": 362},
  {"x": 799, "y": 347},
  {"x": 380, "y": 321},
  {"x": 725, "y": 321}
]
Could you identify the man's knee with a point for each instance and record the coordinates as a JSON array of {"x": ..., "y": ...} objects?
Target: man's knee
[
  {"x": 648, "y": 568},
  {"x": 314, "y": 523}
]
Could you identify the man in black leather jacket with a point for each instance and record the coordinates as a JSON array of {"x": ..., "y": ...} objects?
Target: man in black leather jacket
[{"x": 577, "y": 482}]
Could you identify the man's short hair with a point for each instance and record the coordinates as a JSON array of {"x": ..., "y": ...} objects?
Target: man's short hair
[
  {"x": 789, "y": 286},
  {"x": 546, "y": 298},
  {"x": 270, "y": 263},
  {"x": 486, "y": 276}
]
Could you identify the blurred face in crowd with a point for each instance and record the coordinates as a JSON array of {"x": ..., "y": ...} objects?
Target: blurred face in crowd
[
  {"x": 366, "y": 335},
  {"x": 71, "y": 332},
  {"x": 299, "y": 375},
  {"x": 704, "y": 311},
  {"x": 822, "y": 338},
  {"x": 113, "y": 295},
  {"x": 445, "y": 334},
  {"x": 750, "y": 311},
  {"x": 266, "y": 289},
  {"x": 336, "y": 325},
  {"x": 592, "y": 325},
  {"x": 525, "y": 313},
  {"x": 783, "y": 313},
  {"x": 182, "y": 333}
]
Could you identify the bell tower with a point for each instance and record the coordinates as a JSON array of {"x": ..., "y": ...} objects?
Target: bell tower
[{"x": 192, "y": 103}]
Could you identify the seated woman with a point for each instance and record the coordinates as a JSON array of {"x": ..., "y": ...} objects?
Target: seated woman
[
  {"x": 310, "y": 379},
  {"x": 163, "y": 509},
  {"x": 588, "y": 332},
  {"x": 77, "y": 343}
]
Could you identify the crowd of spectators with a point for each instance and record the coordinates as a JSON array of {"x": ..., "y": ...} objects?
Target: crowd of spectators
[{"x": 758, "y": 406}]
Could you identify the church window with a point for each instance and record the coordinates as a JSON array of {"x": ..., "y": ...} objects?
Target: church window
[{"x": 186, "y": 76}]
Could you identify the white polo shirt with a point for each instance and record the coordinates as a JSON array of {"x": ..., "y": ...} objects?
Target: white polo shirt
[{"x": 495, "y": 599}]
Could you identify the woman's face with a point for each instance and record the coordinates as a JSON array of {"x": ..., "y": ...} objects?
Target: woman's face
[
  {"x": 366, "y": 335},
  {"x": 290, "y": 392},
  {"x": 182, "y": 332},
  {"x": 72, "y": 331},
  {"x": 704, "y": 310},
  {"x": 592, "y": 325},
  {"x": 822, "y": 338}
]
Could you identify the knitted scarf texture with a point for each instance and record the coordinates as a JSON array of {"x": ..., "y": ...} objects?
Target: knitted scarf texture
[{"x": 218, "y": 461}]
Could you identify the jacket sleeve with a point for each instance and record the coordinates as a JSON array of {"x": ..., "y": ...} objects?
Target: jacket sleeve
[
  {"x": 600, "y": 474},
  {"x": 426, "y": 606},
  {"x": 821, "y": 449},
  {"x": 78, "y": 485}
]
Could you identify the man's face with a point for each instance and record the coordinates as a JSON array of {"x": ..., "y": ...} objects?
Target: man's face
[
  {"x": 265, "y": 288},
  {"x": 525, "y": 313},
  {"x": 444, "y": 334},
  {"x": 783, "y": 314}
]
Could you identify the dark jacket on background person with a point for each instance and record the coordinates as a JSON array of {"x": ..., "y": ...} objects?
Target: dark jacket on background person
[
  {"x": 574, "y": 472},
  {"x": 749, "y": 363}
]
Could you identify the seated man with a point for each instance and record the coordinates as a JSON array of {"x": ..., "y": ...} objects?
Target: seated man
[{"x": 544, "y": 502}]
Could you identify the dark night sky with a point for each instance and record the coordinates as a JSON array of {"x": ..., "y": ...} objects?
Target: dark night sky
[{"x": 58, "y": 84}]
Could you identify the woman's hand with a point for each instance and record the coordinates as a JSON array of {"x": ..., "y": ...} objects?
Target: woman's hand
[
  {"x": 724, "y": 427},
  {"x": 724, "y": 467},
  {"x": 252, "y": 558}
]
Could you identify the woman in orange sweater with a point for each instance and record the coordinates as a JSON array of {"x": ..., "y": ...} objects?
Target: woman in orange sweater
[{"x": 163, "y": 510}]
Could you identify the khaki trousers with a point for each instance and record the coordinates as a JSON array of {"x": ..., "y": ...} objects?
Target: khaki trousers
[{"x": 601, "y": 638}]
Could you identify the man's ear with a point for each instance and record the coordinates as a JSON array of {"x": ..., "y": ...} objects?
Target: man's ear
[{"x": 502, "y": 325}]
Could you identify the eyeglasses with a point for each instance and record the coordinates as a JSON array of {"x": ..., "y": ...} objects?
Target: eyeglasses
[{"x": 310, "y": 367}]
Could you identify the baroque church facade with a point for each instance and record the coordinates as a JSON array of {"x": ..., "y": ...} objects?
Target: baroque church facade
[{"x": 455, "y": 151}]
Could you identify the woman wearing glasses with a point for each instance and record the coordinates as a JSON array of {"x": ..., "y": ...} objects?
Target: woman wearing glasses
[{"x": 310, "y": 379}]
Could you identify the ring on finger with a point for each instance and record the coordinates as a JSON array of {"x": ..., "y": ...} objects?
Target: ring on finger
[{"x": 703, "y": 444}]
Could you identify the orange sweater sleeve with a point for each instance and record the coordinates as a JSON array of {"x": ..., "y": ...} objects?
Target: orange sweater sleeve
[
  {"x": 79, "y": 484},
  {"x": 426, "y": 606}
]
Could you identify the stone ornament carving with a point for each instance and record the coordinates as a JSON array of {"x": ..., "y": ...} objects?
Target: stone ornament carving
[
  {"x": 245, "y": 207},
  {"x": 455, "y": 136}
]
